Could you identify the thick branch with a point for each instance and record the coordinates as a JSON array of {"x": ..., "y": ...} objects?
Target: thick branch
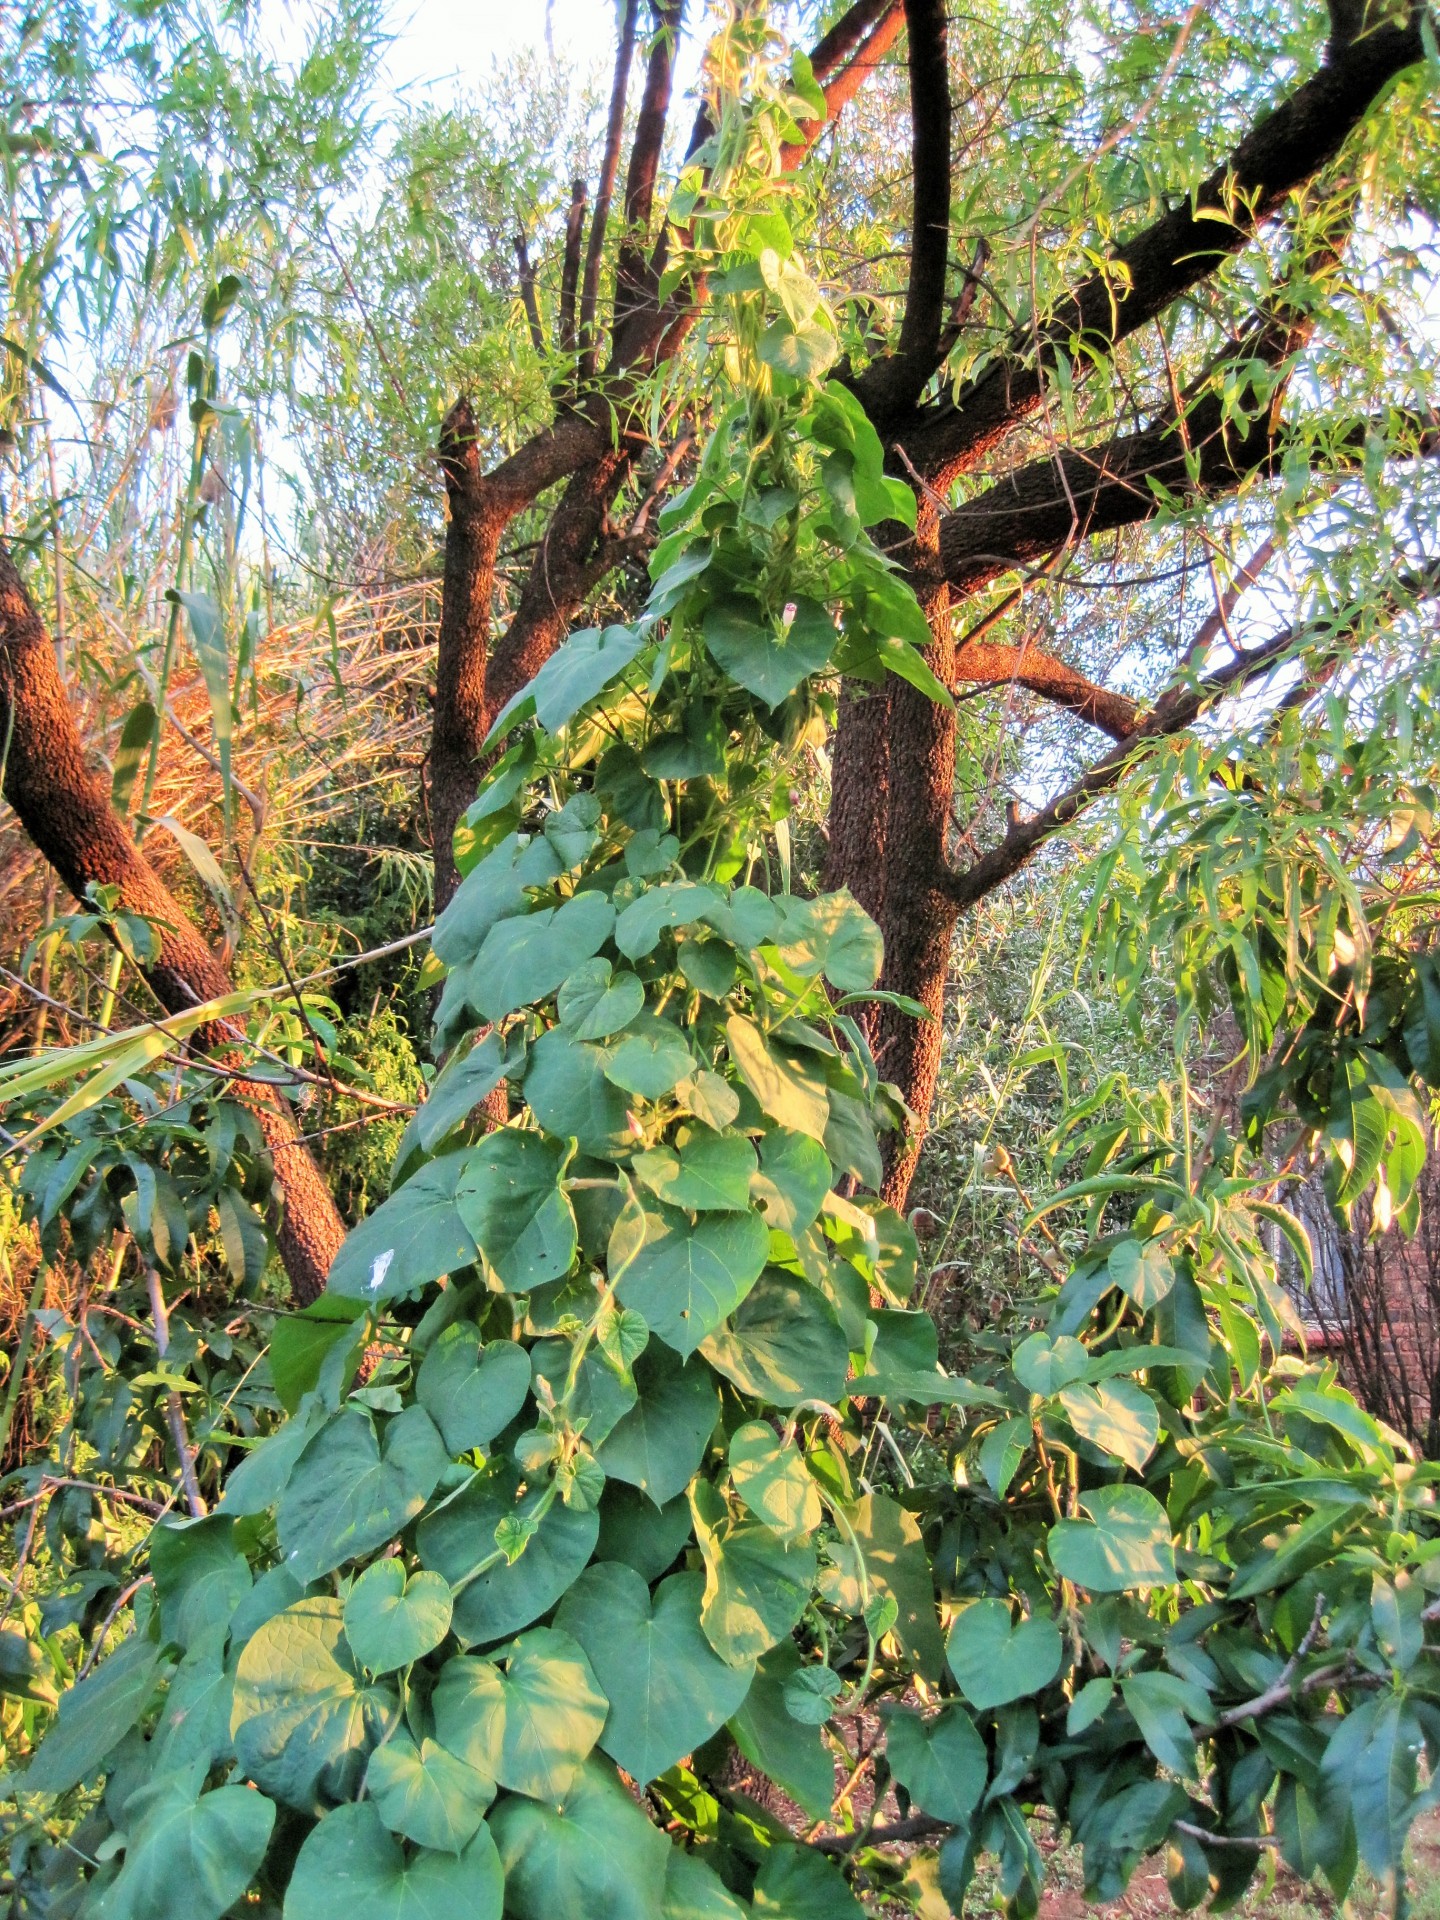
[
  {"x": 1177, "y": 251},
  {"x": 526, "y": 275},
  {"x": 632, "y": 274},
  {"x": 896, "y": 381},
  {"x": 849, "y": 77},
  {"x": 980, "y": 664},
  {"x": 570, "y": 268},
  {"x": 67, "y": 812},
  {"x": 1176, "y": 710},
  {"x": 605, "y": 189}
]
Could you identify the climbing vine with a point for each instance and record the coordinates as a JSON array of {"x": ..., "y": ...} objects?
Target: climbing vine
[{"x": 619, "y": 1443}]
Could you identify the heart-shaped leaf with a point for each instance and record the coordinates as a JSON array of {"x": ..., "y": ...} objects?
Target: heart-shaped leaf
[
  {"x": 392, "y": 1621},
  {"x": 660, "y": 1443},
  {"x": 189, "y": 1858},
  {"x": 508, "y": 1195},
  {"x": 595, "y": 1002},
  {"x": 304, "y": 1720},
  {"x": 348, "y": 1495},
  {"x": 426, "y": 1794},
  {"x": 456, "y": 1538},
  {"x": 600, "y": 1856},
  {"x": 941, "y": 1762},
  {"x": 705, "y": 1172},
  {"x": 411, "y": 1240},
  {"x": 350, "y": 1868},
  {"x": 668, "y": 1689},
  {"x": 997, "y": 1660},
  {"x": 528, "y": 1718},
  {"x": 685, "y": 1278},
  {"x": 1125, "y": 1544},
  {"x": 756, "y": 1586},
  {"x": 772, "y": 1480},
  {"x": 471, "y": 1391}
]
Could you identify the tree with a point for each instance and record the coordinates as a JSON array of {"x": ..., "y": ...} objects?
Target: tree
[{"x": 1140, "y": 1565}]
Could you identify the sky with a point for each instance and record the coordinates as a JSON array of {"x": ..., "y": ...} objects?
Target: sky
[{"x": 446, "y": 47}]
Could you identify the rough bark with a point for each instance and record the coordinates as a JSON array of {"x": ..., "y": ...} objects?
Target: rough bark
[{"x": 66, "y": 811}]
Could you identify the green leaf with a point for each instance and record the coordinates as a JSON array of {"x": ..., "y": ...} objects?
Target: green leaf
[
  {"x": 582, "y": 667},
  {"x": 795, "y": 1884},
  {"x": 1371, "y": 1767},
  {"x": 674, "y": 903},
  {"x": 350, "y": 1868},
  {"x": 771, "y": 1478},
  {"x": 1397, "y": 1615},
  {"x": 899, "y": 1569},
  {"x": 600, "y": 1856},
  {"x": 526, "y": 957},
  {"x": 200, "y": 1574},
  {"x": 411, "y": 1240},
  {"x": 1044, "y": 1366},
  {"x": 189, "y": 1858},
  {"x": 349, "y": 1495},
  {"x": 595, "y": 1001},
  {"x": 1002, "y": 1451},
  {"x": 793, "y": 1180},
  {"x": 304, "y": 1720},
  {"x": 491, "y": 892},
  {"x": 685, "y": 1279},
  {"x": 456, "y": 1538},
  {"x": 508, "y": 1197},
  {"x": 1119, "y": 1418},
  {"x": 262, "y": 1476},
  {"x": 783, "y": 1344},
  {"x": 650, "y": 1058},
  {"x": 571, "y": 1098},
  {"x": 392, "y": 1621},
  {"x": 138, "y": 734},
  {"x": 791, "y": 1091},
  {"x": 832, "y": 934},
  {"x": 705, "y": 1172},
  {"x": 207, "y": 632},
  {"x": 472, "y": 1391},
  {"x": 770, "y": 664},
  {"x": 941, "y": 1762},
  {"x": 1142, "y": 1269},
  {"x": 694, "y": 1892},
  {"x": 996, "y": 1660},
  {"x": 659, "y": 1445},
  {"x": 299, "y": 1343},
  {"x": 803, "y": 352},
  {"x": 94, "y": 1718},
  {"x": 756, "y": 1587},
  {"x": 425, "y": 1794},
  {"x": 529, "y": 1718},
  {"x": 1124, "y": 1545},
  {"x": 668, "y": 1690},
  {"x": 1159, "y": 1702},
  {"x": 773, "y": 1738}
]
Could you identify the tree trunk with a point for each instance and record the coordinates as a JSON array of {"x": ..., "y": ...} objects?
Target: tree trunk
[{"x": 67, "y": 813}]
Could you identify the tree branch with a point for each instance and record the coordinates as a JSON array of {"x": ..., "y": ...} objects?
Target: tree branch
[
  {"x": 1176, "y": 710},
  {"x": 894, "y": 382},
  {"x": 570, "y": 269},
  {"x": 605, "y": 189},
  {"x": 1181, "y": 248},
  {"x": 526, "y": 274},
  {"x": 849, "y": 77},
  {"x": 68, "y": 814},
  {"x": 980, "y": 664},
  {"x": 633, "y": 275}
]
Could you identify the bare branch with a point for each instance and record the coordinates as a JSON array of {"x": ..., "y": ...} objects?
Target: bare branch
[
  {"x": 896, "y": 381},
  {"x": 570, "y": 270},
  {"x": 605, "y": 190},
  {"x": 527, "y": 293},
  {"x": 979, "y": 664}
]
